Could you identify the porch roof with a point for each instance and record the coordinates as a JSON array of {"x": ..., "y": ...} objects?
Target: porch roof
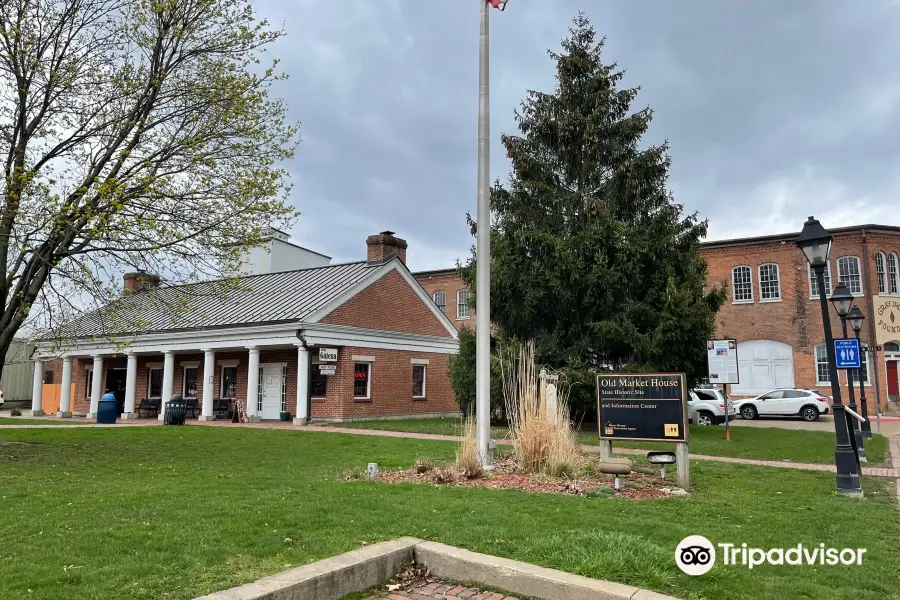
[{"x": 252, "y": 300}]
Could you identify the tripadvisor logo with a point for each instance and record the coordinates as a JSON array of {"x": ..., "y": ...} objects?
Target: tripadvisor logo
[{"x": 696, "y": 555}]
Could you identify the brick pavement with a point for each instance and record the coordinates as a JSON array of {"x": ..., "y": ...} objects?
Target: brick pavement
[{"x": 439, "y": 589}]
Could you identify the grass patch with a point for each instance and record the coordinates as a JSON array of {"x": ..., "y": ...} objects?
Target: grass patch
[
  {"x": 761, "y": 443},
  {"x": 166, "y": 512},
  {"x": 39, "y": 421}
]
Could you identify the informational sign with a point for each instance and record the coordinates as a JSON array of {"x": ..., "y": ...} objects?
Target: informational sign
[
  {"x": 327, "y": 369},
  {"x": 847, "y": 354},
  {"x": 328, "y": 354},
  {"x": 887, "y": 319},
  {"x": 642, "y": 406},
  {"x": 722, "y": 361}
]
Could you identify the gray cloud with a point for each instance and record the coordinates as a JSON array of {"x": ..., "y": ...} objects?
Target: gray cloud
[{"x": 773, "y": 110}]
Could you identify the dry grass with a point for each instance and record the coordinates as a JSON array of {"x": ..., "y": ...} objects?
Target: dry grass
[
  {"x": 542, "y": 433},
  {"x": 423, "y": 465},
  {"x": 468, "y": 460}
]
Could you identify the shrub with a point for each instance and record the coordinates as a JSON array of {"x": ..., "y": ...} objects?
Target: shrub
[
  {"x": 468, "y": 460},
  {"x": 542, "y": 437},
  {"x": 461, "y": 370},
  {"x": 354, "y": 474},
  {"x": 443, "y": 475},
  {"x": 423, "y": 465},
  {"x": 15, "y": 412}
]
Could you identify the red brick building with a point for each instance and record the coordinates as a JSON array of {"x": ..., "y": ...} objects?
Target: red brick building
[
  {"x": 336, "y": 342},
  {"x": 773, "y": 309},
  {"x": 450, "y": 294}
]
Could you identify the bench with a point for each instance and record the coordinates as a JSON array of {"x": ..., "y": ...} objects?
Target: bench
[
  {"x": 149, "y": 406},
  {"x": 221, "y": 406}
]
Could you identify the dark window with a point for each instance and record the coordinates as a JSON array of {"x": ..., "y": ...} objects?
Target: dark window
[
  {"x": 88, "y": 383},
  {"x": 155, "y": 388},
  {"x": 361, "y": 380},
  {"x": 418, "y": 376},
  {"x": 705, "y": 395},
  {"x": 795, "y": 394},
  {"x": 190, "y": 382},
  {"x": 774, "y": 395},
  {"x": 318, "y": 383},
  {"x": 48, "y": 377},
  {"x": 440, "y": 298},
  {"x": 229, "y": 382}
]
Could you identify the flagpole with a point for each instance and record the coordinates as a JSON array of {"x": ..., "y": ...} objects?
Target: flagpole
[{"x": 483, "y": 247}]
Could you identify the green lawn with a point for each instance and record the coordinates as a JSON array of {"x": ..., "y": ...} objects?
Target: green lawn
[
  {"x": 177, "y": 512},
  {"x": 763, "y": 443},
  {"x": 39, "y": 421}
]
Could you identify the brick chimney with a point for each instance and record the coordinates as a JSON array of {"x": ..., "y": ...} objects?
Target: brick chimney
[
  {"x": 140, "y": 281},
  {"x": 383, "y": 246}
]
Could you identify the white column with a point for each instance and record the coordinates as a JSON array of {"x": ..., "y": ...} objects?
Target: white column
[
  {"x": 302, "y": 386},
  {"x": 130, "y": 388},
  {"x": 96, "y": 387},
  {"x": 168, "y": 381},
  {"x": 209, "y": 374},
  {"x": 65, "y": 393},
  {"x": 37, "y": 389},
  {"x": 253, "y": 384}
]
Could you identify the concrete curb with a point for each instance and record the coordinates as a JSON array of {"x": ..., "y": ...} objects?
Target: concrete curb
[
  {"x": 332, "y": 578},
  {"x": 359, "y": 570}
]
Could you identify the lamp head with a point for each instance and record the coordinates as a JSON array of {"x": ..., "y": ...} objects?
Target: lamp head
[
  {"x": 842, "y": 300},
  {"x": 815, "y": 242},
  {"x": 856, "y": 318}
]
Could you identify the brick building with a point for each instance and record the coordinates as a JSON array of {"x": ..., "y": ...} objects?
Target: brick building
[
  {"x": 450, "y": 294},
  {"x": 773, "y": 308},
  {"x": 257, "y": 345}
]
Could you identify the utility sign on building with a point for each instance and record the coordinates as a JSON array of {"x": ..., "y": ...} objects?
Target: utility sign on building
[
  {"x": 328, "y": 354},
  {"x": 847, "y": 354},
  {"x": 722, "y": 361},
  {"x": 642, "y": 407}
]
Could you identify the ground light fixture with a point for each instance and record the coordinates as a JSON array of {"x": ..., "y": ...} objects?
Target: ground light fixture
[
  {"x": 856, "y": 318},
  {"x": 662, "y": 459},
  {"x": 842, "y": 300},
  {"x": 815, "y": 242}
]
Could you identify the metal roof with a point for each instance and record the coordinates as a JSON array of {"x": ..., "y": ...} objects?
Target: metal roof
[{"x": 252, "y": 300}]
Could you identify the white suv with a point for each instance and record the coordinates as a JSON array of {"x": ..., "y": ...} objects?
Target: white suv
[
  {"x": 710, "y": 405},
  {"x": 808, "y": 404}
]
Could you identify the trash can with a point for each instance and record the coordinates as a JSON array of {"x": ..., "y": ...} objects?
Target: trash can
[
  {"x": 107, "y": 409},
  {"x": 176, "y": 411}
]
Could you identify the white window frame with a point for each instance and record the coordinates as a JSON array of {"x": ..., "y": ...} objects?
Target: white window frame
[
  {"x": 424, "y": 393},
  {"x": 893, "y": 274},
  {"x": 222, "y": 367},
  {"x": 762, "y": 297},
  {"x": 734, "y": 299},
  {"x": 459, "y": 313},
  {"x": 368, "y": 364},
  {"x": 881, "y": 272},
  {"x": 184, "y": 369},
  {"x": 443, "y": 303},
  {"x": 150, "y": 381},
  {"x": 862, "y": 289},
  {"x": 810, "y": 275},
  {"x": 816, "y": 364}
]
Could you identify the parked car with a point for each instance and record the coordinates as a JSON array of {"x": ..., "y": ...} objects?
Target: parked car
[
  {"x": 710, "y": 405},
  {"x": 2, "y": 399},
  {"x": 808, "y": 404}
]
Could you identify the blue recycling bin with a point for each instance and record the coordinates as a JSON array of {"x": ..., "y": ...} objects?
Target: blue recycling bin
[{"x": 107, "y": 409}]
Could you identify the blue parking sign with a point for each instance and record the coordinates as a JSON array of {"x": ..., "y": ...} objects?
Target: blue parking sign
[{"x": 847, "y": 354}]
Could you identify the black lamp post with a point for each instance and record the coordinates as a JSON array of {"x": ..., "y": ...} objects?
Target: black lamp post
[
  {"x": 816, "y": 245},
  {"x": 856, "y": 319},
  {"x": 842, "y": 300}
]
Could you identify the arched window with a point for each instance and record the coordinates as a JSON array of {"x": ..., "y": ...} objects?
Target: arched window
[
  {"x": 880, "y": 272},
  {"x": 462, "y": 304},
  {"x": 893, "y": 274},
  {"x": 892, "y": 347},
  {"x": 742, "y": 283},
  {"x": 848, "y": 274},
  {"x": 814, "y": 285},
  {"x": 440, "y": 298},
  {"x": 769, "y": 284}
]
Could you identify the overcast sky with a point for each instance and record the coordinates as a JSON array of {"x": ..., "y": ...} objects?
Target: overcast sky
[{"x": 773, "y": 109}]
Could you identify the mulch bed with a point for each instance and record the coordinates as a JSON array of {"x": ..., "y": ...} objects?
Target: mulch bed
[{"x": 507, "y": 476}]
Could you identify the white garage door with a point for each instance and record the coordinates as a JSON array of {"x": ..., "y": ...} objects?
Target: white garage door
[{"x": 764, "y": 365}]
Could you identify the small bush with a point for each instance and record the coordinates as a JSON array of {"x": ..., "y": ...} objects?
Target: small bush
[
  {"x": 468, "y": 460},
  {"x": 354, "y": 474},
  {"x": 423, "y": 465},
  {"x": 443, "y": 475},
  {"x": 15, "y": 412}
]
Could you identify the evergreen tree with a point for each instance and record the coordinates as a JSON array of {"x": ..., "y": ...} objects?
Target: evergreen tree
[{"x": 591, "y": 257}]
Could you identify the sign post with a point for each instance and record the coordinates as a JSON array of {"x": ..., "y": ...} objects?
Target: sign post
[{"x": 645, "y": 407}]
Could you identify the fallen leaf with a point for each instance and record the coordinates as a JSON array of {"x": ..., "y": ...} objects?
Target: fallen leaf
[{"x": 392, "y": 587}]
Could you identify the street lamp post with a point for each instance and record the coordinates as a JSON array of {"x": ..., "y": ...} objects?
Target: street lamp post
[
  {"x": 842, "y": 300},
  {"x": 856, "y": 319},
  {"x": 815, "y": 243}
]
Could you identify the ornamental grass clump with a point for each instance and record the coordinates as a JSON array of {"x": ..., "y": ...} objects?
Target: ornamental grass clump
[
  {"x": 468, "y": 461},
  {"x": 541, "y": 430}
]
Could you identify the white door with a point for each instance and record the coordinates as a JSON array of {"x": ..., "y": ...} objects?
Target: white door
[
  {"x": 764, "y": 365},
  {"x": 271, "y": 382}
]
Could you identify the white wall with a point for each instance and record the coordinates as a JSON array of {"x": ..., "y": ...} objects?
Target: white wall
[{"x": 277, "y": 256}]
